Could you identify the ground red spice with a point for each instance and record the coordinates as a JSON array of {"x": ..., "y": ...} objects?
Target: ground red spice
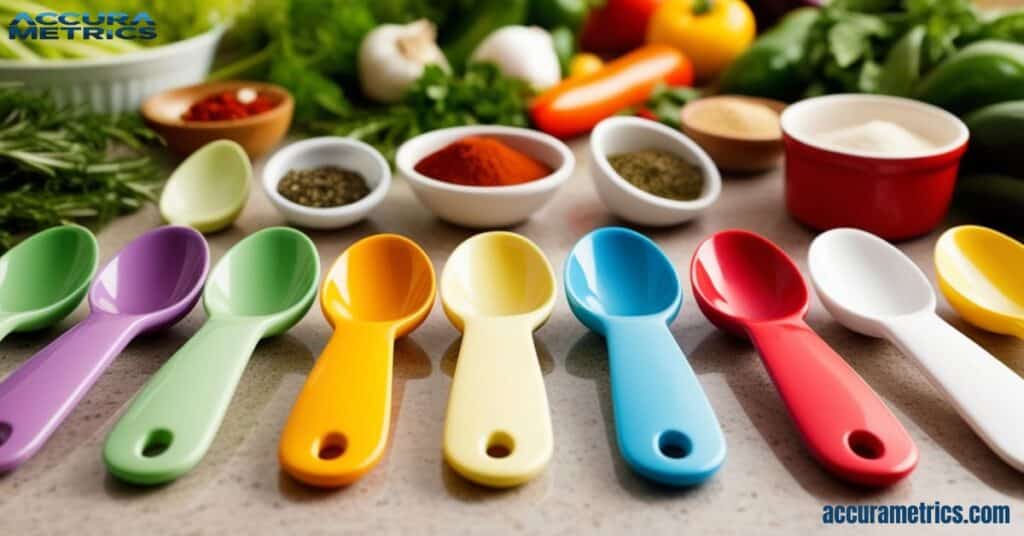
[
  {"x": 225, "y": 105},
  {"x": 482, "y": 161}
]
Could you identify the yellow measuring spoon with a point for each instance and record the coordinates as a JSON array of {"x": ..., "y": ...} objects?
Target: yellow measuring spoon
[
  {"x": 379, "y": 289},
  {"x": 497, "y": 288},
  {"x": 979, "y": 273}
]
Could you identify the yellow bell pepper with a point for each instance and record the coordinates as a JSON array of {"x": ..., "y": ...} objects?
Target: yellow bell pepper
[
  {"x": 712, "y": 33},
  {"x": 584, "y": 64}
]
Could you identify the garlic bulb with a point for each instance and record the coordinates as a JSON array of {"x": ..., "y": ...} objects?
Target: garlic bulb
[
  {"x": 393, "y": 56},
  {"x": 522, "y": 52}
]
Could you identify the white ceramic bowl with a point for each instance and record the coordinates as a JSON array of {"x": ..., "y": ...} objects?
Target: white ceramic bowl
[
  {"x": 617, "y": 135},
  {"x": 345, "y": 153},
  {"x": 121, "y": 82},
  {"x": 486, "y": 206}
]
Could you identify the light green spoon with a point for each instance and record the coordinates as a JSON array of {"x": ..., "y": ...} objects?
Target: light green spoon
[
  {"x": 262, "y": 287},
  {"x": 45, "y": 277},
  {"x": 209, "y": 189}
]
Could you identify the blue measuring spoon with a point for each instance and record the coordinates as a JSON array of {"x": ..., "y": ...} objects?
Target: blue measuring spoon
[{"x": 621, "y": 285}]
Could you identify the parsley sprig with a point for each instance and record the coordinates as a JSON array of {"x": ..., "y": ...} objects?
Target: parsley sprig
[{"x": 482, "y": 95}]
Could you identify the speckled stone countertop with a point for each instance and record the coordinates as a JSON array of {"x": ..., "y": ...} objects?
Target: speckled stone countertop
[{"x": 768, "y": 485}]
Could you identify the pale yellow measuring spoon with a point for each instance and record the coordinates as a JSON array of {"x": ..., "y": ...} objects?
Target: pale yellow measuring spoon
[
  {"x": 209, "y": 189},
  {"x": 497, "y": 288}
]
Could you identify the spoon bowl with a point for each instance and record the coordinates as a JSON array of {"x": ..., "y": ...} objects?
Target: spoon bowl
[
  {"x": 155, "y": 279},
  {"x": 260, "y": 288},
  {"x": 497, "y": 288},
  {"x": 209, "y": 189},
  {"x": 739, "y": 277},
  {"x": 621, "y": 285},
  {"x": 380, "y": 288},
  {"x": 871, "y": 287},
  {"x": 271, "y": 275},
  {"x": 45, "y": 277},
  {"x": 497, "y": 274},
  {"x": 619, "y": 273},
  {"x": 747, "y": 285},
  {"x": 978, "y": 272},
  {"x": 387, "y": 279},
  {"x": 862, "y": 280}
]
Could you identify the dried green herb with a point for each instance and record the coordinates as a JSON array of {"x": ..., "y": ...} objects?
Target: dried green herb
[
  {"x": 660, "y": 173},
  {"x": 323, "y": 187}
]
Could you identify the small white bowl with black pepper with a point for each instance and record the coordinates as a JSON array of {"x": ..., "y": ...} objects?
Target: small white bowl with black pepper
[
  {"x": 307, "y": 180},
  {"x": 624, "y": 135}
]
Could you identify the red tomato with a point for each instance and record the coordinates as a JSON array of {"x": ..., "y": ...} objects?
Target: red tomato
[
  {"x": 618, "y": 27},
  {"x": 577, "y": 104}
]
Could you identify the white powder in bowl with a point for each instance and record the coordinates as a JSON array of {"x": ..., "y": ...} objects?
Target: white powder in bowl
[{"x": 881, "y": 138}]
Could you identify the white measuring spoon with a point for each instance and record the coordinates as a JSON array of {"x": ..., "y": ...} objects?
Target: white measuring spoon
[{"x": 872, "y": 288}]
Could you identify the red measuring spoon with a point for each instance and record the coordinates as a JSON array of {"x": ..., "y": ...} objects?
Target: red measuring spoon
[{"x": 746, "y": 285}]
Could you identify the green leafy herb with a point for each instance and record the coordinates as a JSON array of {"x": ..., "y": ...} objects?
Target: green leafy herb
[
  {"x": 307, "y": 46},
  {"x": 850, "y": 38},
  {"x": 1007, "y": 27},
  {"x": 884, "y": 46},
  {"x": 437, "y": 100},
  {"x": 903, "y": 65},
  {"x": 58, "y": 165},
  {"x": 666, "y": 103}
]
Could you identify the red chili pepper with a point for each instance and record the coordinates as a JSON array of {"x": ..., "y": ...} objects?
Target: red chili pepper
[
  {"x": 576, "y": 105},
  {"x": 225, "y": 106}
]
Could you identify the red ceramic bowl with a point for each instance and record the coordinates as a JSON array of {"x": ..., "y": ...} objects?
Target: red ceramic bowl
[{"x": 893, "y": 196}]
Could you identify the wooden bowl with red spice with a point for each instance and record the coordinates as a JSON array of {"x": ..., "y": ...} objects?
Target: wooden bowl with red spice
[
  {"x": 257, "y": 115},
  {"x": 485, "y": 176}
]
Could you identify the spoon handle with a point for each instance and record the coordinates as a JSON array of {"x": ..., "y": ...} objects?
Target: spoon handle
[
  {"x": 986, "y": 393},
  {"x": 664, "y": 424},
  {"x": 338, "y": 428},
  {"x": 172, "y": 422},
  {"x": 843, "y": 422},
  {"x": 498, "y": 428},
  {"x": 36, "y": 397}
]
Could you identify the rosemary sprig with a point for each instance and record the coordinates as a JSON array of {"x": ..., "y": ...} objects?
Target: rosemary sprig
[{"x": 63, "y": 164}]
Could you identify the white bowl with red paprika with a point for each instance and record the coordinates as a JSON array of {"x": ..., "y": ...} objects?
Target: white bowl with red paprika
[{"x": 485, "y": 176}]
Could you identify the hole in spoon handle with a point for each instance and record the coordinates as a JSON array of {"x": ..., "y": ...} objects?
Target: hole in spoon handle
[
  {"x": 842, "y": 420},
  {"x": 498, "y": 427},
  {"x": 172, "y": 422},
  {"x": 338, "y": 428},
  {"x": 665, "y": 426}
]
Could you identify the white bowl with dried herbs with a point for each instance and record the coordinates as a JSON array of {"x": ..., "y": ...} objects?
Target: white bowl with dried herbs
[
  {"x": 649, "y": 174},
  {"x": 327, "y": 182}
]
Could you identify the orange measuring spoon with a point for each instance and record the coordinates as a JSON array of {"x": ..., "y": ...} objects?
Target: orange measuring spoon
[{"x": 379, "y": 289}]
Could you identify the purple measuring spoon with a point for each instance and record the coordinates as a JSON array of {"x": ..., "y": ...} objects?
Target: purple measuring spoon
[{"x": 151, "y": 284}]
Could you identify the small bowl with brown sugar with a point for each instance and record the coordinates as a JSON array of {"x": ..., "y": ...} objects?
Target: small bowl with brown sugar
[{"x": 741, "y": 134}]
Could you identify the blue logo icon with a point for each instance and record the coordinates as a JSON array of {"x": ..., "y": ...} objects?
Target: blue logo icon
[{"x": 71, "y": 25}]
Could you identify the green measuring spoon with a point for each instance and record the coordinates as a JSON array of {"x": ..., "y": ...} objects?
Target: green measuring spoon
[
  {"x": 45, "y": 277},
  {"x": 262, "y": 287}
]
